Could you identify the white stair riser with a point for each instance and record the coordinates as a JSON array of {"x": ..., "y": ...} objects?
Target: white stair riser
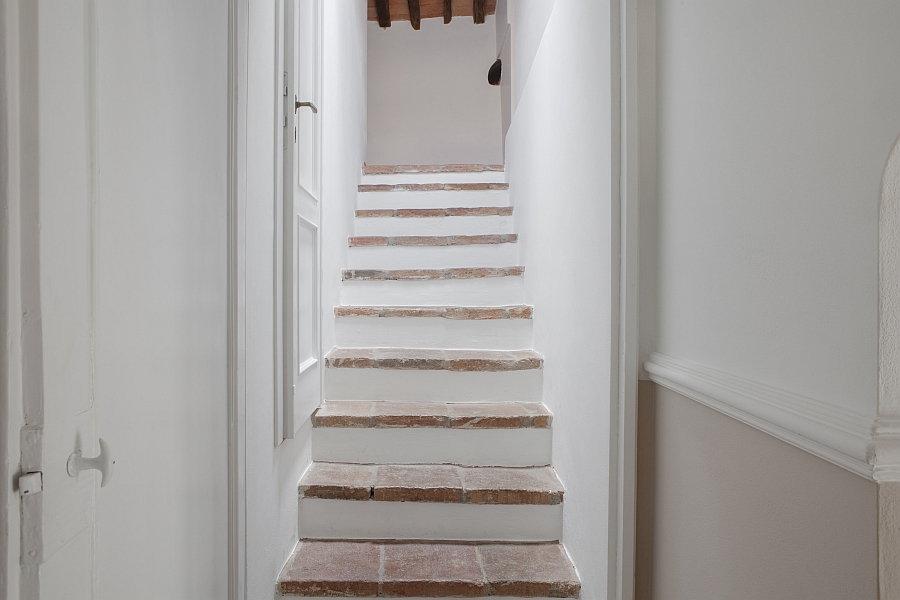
[
  {"x": 368, "y": 519},
  {"x": 433, "y": 257},
  {"x": 433, "y": 332},
  {"x": 438, "y": 386},
  {"x": 389, "y": 226},
  {"x": 518, "y": 447},
  {"x": 432, "y": 199},
  {"x": 486, "y": 291}
]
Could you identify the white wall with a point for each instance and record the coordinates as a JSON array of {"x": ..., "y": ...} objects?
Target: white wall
[
  {"x": 775, "y": 120},
  {"x": 429, "y": 101},
  {"x": 273, "y": 473},
  {"x": 559, "y": 160}
]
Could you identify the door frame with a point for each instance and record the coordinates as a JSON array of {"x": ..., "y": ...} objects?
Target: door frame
[{"x": 238, "y": 17}]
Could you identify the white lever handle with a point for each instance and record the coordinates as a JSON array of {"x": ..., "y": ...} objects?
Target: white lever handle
[{"x": 103, "y": 462}]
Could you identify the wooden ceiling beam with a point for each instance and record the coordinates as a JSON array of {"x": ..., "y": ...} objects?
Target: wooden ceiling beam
[
  {"x": 383, "y": 8},
  {"x": 414, "y": 17},
  {"x": 478, "y": 11},
  {"x": 398, "y": 10}
]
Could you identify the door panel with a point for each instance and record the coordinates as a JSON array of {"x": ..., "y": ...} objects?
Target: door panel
[
  {"x": 65, "y": 164},
  {"x": 301, "y": 257}
]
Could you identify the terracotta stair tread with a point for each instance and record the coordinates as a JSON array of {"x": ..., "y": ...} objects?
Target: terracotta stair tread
[
  {"x": 420, "y": 213},
  {"x": 396, "y": 569},
  {"x": 363, "y": 241},
  {"x": 393, "y": 169},
  {"x": 429, "y": 274},
  {"x": 428, "y": 359},
  {"x": 464, "y": 415},
  {"x": 432, "y": 483},
  {"x": 431, "y": 187},
  {"x": 460, "y": 313}
]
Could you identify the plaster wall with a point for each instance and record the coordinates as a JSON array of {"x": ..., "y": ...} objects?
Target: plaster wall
[
  {"x": 559, "y": 164},
  {"x": 429, "y": 101},
  {"x": 774, "y": 122},
  {"x": 726, "y": 511},
  {"x": 274, "y": 471}
]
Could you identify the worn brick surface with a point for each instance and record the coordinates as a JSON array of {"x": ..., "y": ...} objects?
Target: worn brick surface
[
  {"x": 411, "y": 414},
  {"x": 447, "y": 312},
  {"x": 347, "y": 569},
  {"x": 465, "y": 415},
  {"x": 501, "y": 485},
  {"x": 344, "y": 414},
  {"x": 413, "y": 213},
  {"x": 426, "y": 274},
  {"x": 418, "y": 483},
  {"x": 375, "y": 213},
  {"x": 427, "y": 359},
  {"x": 337, "y": 481},
  {"x": 432, "y": 240},
  {"x": 529, "y": 570},
  {"x": 432, "y": 570},
  {"x": 391, "y": 169},
  {"x": 498, "y": 415},
  {"x": 431, "y": 187}
]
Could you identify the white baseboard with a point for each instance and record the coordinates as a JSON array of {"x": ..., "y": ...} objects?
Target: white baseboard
[{"x": 830, "y": 432}]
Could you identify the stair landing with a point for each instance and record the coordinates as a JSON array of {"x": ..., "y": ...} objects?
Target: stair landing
[{"x": 394, "y": 569}]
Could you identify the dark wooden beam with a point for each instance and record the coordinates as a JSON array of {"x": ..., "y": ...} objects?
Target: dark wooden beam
[
  {"x": 383, "y": 7},
  {"x": 448, "y": 11},
  {"x": 478, "y": 11},
  {"x": 414, "y": 16}
]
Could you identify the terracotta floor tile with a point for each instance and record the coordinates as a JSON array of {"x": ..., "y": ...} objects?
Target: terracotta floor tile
[
  {"x": 529, "y": 570},
  {"x": 348, "y": 569},
  {"x": 338, "y": 481},
  {"x": 344, "y": 414},
  {"x": 418, "y": 483},
  {"x": 411, "y": 414},
  {"x": 501, "y": 485},
  {"x": 432, "y": 570},
  {"x": 492, "y": 415}
]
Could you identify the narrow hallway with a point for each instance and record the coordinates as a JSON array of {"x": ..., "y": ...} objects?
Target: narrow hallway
[{"x": 432, "y": 473}]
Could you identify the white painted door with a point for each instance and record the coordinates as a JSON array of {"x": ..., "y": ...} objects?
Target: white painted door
[
  {"x": 123, "y": 149},
  {"x": 301, "y": 239}
]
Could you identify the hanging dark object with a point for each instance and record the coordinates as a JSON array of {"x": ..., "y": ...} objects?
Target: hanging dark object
[{"x": 494, "y": 73}]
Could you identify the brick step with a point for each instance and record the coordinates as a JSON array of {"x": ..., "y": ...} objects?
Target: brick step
[
  {"x": 510, "y": 434},
  {"x": 430, "y": 274},
  {"x": 432, "y": 240},
  {"x": 464, "y": 194},
  {"x": 431, "y": 483},
  {"x": 430, "y": 213},
  {"x": 455, "y": 313},
  {"x": 431, "y": 359},
  {"x": 418, "y": 570},
  {"x": 393, "y": 288},
  {"x": 479, "y": 327},
  {"x": 432, "y": 187},
  {"x": 471, "y": 415},
  {"x": 491, "y": 251},
  {"x": 434, "y": 222},
  {"x": 459, "y": 168}
]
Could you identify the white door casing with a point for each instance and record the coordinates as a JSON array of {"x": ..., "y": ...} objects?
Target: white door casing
[{"x": 301, "y": 295}]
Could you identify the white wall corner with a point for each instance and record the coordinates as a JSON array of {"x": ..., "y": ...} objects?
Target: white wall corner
[
  {"x": 833, "y": 433},
  {"x": 885, "y": 450}
]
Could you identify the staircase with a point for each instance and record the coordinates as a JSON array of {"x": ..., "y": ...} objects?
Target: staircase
[{"x": 431, "y": 473}]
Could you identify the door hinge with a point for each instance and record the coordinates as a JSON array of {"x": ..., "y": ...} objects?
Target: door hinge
[
  {"x": 31, "y": 483},
  {"x": 285, "y": 122}
]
